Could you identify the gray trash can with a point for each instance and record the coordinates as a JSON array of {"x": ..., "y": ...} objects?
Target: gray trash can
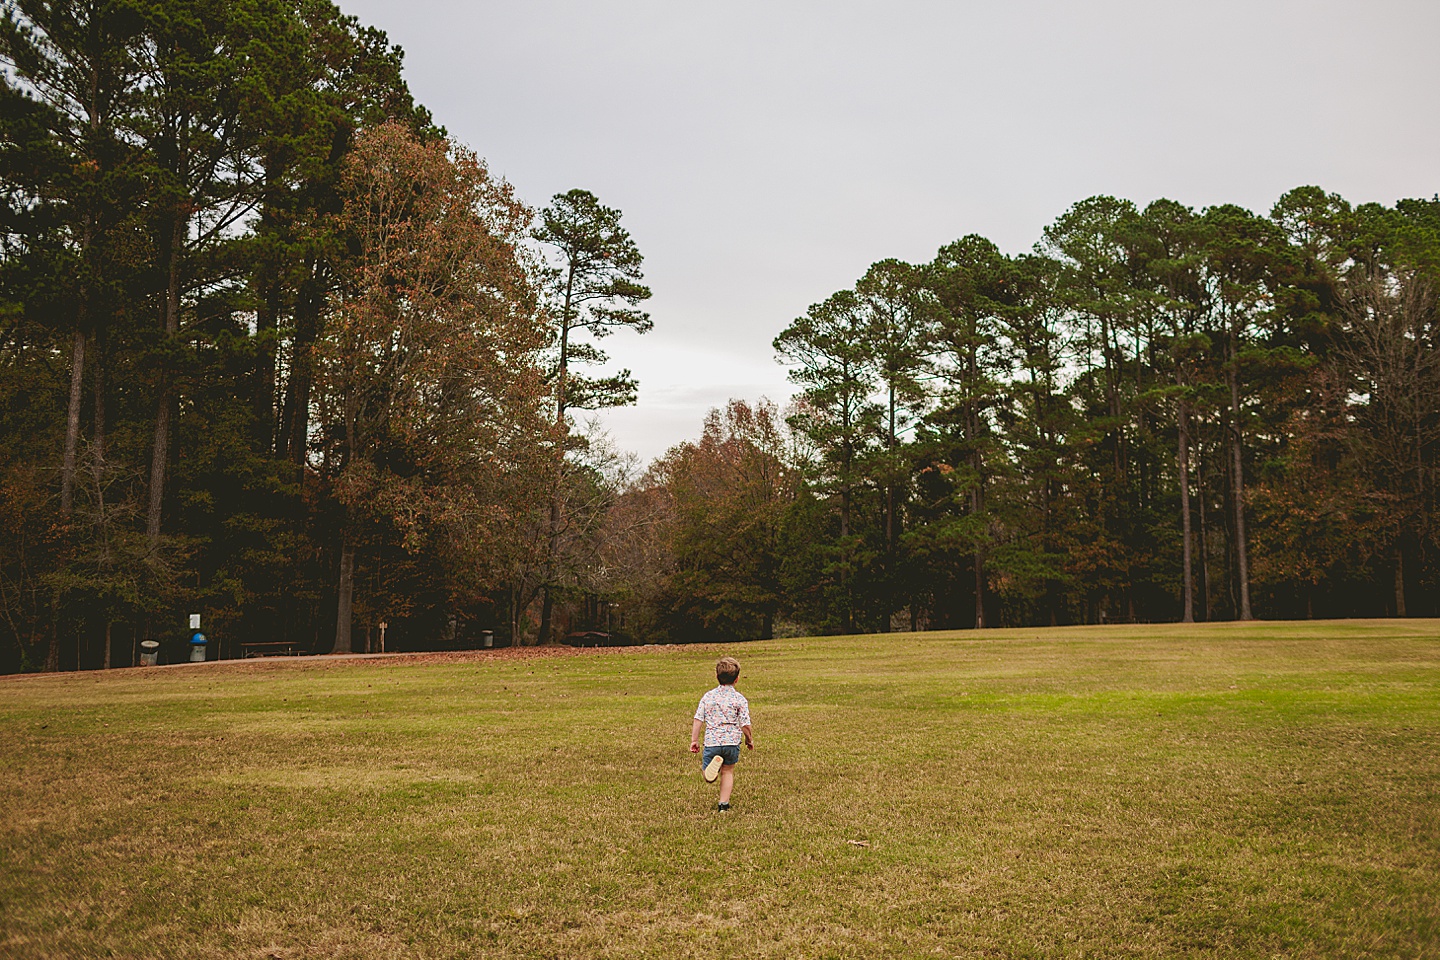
[
  {"x": 487, "y": 639},
  {"x": 149, "y": 653},
  {"x": 197, "y": 648}
]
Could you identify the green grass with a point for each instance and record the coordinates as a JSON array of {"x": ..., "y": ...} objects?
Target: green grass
[{"x": 1217, "y": 791}]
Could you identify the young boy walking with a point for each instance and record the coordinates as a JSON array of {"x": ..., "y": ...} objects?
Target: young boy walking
[{"x": 725, "y": 714}]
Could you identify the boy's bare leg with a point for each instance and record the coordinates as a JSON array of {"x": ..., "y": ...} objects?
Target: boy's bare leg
[{"x": 727, "y": 782}]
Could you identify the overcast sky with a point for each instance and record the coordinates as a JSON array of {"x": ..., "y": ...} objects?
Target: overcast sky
[{"x": 764, "y": 154}]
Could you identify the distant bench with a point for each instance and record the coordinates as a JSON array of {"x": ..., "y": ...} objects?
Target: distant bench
[{"x": 269, "y": 648}]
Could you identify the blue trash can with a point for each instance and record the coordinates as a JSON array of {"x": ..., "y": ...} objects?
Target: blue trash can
[{"x": 197, "y": 647}]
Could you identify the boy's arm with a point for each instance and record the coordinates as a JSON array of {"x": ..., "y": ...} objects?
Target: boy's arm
[
  {"x": 749, "y": 740},
  {"x": 695, "y": 728}
]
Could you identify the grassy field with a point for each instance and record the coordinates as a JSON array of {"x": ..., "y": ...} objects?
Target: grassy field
[{"x": 1217, "y": 791}]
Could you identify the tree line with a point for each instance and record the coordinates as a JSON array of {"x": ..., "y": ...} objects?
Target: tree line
[
  {"x": 272, "y": 346},
  {"x": 1157, "y": 414},
  {"x": 276, "y": 349}
]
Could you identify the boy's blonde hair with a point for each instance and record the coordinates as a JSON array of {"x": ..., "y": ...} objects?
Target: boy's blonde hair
[{"x": 727, "y": 670}]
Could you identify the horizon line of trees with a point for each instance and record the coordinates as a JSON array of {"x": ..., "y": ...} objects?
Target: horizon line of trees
[
  {"x": 1158, "y": 414},
  {"x": 273, "y": 348}
]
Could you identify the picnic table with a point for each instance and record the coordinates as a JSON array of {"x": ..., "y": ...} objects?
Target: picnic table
[{"x": 269, "y": 648}]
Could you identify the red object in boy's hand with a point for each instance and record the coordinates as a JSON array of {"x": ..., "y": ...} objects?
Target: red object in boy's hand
[{"x": 694, "y": 747}]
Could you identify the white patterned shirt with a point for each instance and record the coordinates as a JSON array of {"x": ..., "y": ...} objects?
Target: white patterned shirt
[{"x": 724, "y": 711}]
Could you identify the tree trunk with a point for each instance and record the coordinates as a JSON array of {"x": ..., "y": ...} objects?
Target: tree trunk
[
  {"x": 888, "y": 603},
  {"x": 1226, "y": 520},
  {"x": 97, "y": 446},
  {"x": 1112, "y": 392},
  {"x": 547, "y": 613},
  {"x": 1047, "y": 541},
  {"x": 345, "y": 592},
  {"x": 170, "y": 241},
  {"x": 562, "y": 430},
  {"x": 547, "y": 603},
  {"x": 887, "y": 585},
  {"x": 1242, "y": 560},
  {"x": 52, "y": 651},
  {"x": 847, "y": 583},
  {"x": 97, "y": 385},
  {"x": 345, "y": 595},
  {"x": 887, "y": 600},
  {"x": 77, "y": 363},
  {"x": 294, "y": 438},
  {"x": 1399, "y": 581},
  {"x": 159, "y": 454},
  {"x": 1205, "y": 592},
  {"x": 266, "y": 323},
  {"x": 72, "y": 423},
  {"x": 1183, "y": 456},
  {"x": 977, "y": 505},
  {"x": 979, "y": 590}
]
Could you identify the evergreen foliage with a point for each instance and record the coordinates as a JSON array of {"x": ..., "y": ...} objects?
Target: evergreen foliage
[
  {"x": 273, "y": 348},
  {"x": 1160, "y": 414}
]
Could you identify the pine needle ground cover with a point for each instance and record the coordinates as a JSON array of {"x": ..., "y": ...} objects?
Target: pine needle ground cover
[{"x": 1142, "y": 791}]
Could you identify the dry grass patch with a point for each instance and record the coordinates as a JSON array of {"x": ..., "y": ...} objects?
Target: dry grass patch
[{"x": 1214, "y": 791}]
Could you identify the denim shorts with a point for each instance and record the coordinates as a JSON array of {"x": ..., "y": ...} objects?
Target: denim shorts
[{"x": 729, "y": 754}]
